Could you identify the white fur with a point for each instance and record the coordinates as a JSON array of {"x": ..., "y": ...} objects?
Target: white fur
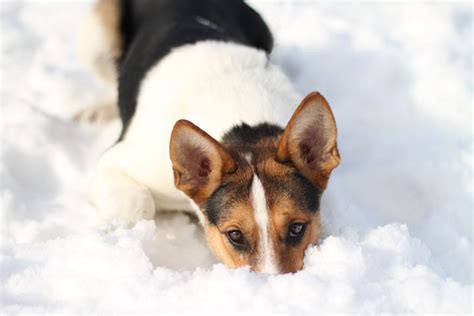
[
  {"x": 213, "y": 84},
  {"x": 267, "y": 262},
  {"x": 120, "y": 198}
]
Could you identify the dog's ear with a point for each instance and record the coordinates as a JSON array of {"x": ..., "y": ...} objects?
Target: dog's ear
[
  {"x": 199, "y": 161},
  {"x": 309, "y": 140}
]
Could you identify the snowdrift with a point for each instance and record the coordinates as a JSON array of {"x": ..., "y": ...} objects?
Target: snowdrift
[{"x": 397, "y": 216}]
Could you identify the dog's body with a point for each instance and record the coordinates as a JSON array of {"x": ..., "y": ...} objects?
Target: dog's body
[{"x": 206, "y": 61}]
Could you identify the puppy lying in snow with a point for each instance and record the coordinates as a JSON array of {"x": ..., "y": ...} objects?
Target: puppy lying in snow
[{"x": 180, "y": 64}]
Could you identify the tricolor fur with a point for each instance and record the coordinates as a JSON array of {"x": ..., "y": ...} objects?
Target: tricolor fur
[{"x": 184, "y": 64}]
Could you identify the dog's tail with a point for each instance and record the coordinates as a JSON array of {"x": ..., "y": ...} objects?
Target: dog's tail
[
  {"x": 100, "y": 47},
  {"x": 100, "y": 41}
]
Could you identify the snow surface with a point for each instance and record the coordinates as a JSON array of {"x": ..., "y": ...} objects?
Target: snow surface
[{"x": 398, "y": 214}]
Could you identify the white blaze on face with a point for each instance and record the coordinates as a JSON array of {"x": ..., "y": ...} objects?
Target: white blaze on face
[{"x": 267, "y": 262}]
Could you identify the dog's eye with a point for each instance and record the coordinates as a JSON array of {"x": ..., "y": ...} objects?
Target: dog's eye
[
  {"x": 295, "y": 233},
  {"x": 236, "y": 238},
  {"x": 296, "y": 229}
]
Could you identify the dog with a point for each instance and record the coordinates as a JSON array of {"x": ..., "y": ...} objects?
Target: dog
[{"x": 255, "y": 173}]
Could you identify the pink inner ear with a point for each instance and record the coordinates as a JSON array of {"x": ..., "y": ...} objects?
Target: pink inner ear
[
  {"x": 305, "y": 152},
  {"x": 312, "y": 134},
  {"x": 308, "y": 150},
  {"x": 204, "y": 168},
  {"x": 196, "y": 164}
]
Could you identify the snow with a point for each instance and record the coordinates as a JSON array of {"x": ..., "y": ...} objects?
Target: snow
[{"x": 397, "y": 216}]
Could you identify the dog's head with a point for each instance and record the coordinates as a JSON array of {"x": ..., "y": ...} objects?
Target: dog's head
[{"x": 259, "y": 189}]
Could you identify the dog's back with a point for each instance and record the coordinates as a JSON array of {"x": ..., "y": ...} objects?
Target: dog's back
[{"x": 138, "y": 34}]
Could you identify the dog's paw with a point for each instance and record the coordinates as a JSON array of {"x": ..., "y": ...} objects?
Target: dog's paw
[
  {"x": 101, "y": 113},
  {"x": 127, "y": 207},
  {"x": 119, "y": 199}
]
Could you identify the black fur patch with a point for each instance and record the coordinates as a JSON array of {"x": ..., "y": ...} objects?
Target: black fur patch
[
  {"x": 260, "y": 142},
  {"x": 221, "y": 202},
  {"x": 215, "y": 207},
  {"x": 307, "y": 196},
  {"x": 302, "y": 192},
  {"x": 244, "y": 134},
  {"x": 151, "y": 28}
]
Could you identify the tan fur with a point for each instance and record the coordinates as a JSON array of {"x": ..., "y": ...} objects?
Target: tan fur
[
  {"x": 325, "y": 124},
  {"x": 275, "y": 162},
  {"x": 242, "y": 219},
  {"x": 283, "y": 212},
  {"x": 100, "y": 42},
  {"x": 100, "y": 45},
  {"x": 108, "y": 12},
  {"x": 291, "y": 258},
  {"x": 186, "y": 135}
]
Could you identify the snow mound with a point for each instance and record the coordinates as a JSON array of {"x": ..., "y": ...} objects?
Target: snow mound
[{"x": 397, "y": 216}]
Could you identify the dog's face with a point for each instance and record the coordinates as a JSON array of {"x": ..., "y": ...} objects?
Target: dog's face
[{"x": 259, "y": 190}]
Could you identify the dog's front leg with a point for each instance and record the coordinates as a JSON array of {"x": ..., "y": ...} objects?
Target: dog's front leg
[{"x": 118, "y": 197}]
